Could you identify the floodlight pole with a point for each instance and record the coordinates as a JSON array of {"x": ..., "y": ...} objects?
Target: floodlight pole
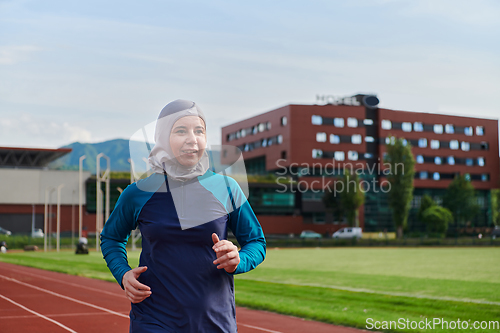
[
  {"x": 58, "y": 237},
  {"x": 80, "y": 196},
  {"x": 105, "y": 178},
  {"x": 136, "y": 234},
  {"x": 48, "y": 192}
]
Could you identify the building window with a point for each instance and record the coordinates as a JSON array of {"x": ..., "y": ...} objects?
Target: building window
[
  {"x": 468, "y": 131},
  {"x": 268, "y": 125},
  {"x": 469, "y": 162},
  {"x": 423, "y": 175},
  {"x": 335, "y": 139},
  {"x": 284, "y": 121},
  {"x": 369, "y": 139},
  {"x": 270, "y": 141},
  {"x": 479, "y": 130},
  {"x": 317, "y": 153},
  {"x": 437, "y": 160},
  {"x": 352, "y": 122},
  {"x": 321, "y": 137},
  {"x": 418, "y": 127},
  {"x": 438, "y": 129},
  {"x": 467, "y": 176},
  {"x": 368, "y": 122},
  {"x": 243, "y": 133},
  {"x": 454, "y": 144},
  {"x": 406, "y": 127},
  {"x": 434, "y": 144},
  {"x": 339, "y": 156},
  {"x": 283, "y": 155},
  {"x": 420, "y": 159},
  {"x": 317, "y": 120},
  {"x": 422, "y": 143},
  {"x": 280, "y": 139},
  {"x": 368, "y": 155},
  {"x": 386, "y": 124},
  {"x": 356, "y": 139},
  {"x": 255, "y": 130},
  {"x": 237, "y": 134},
  {"x": 352, "y": 155},
  {"x": 480, "y": 161},
  {"x": 465, "y": 146},
  {"x": 405, "y": 142},
  {"x": 484, "y": 177},
  {"x": 484, "y": 145},
  {"x": 449, "y": 129},
  {"x": 264, "y": 143},
  {"x": 451, "y": 160},
  {"x": 436, "y": 176},
  {"x": 319, "y": 218},
  {"x": 338, "y": 122},
  {"x": 262, "y": 127}
]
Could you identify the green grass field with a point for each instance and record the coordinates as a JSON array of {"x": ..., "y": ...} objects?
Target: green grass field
[{"x": 347, "y": 285}]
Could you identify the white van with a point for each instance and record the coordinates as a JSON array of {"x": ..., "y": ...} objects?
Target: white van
[{"x": 350, "y": 232}]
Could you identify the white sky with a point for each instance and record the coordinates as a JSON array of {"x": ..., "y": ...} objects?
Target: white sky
[{"x": 91, "y": 71}]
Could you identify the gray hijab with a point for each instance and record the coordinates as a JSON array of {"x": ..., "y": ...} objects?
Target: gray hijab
[{"x": 161, "y": 158}]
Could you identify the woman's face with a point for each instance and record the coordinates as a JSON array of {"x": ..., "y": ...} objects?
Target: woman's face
[{"x": 188, "y": 140}]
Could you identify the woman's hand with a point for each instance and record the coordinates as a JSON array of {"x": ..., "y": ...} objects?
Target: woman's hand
[
  {"x": 228, "y": 256},
  {"x": 135, "y": 291}
]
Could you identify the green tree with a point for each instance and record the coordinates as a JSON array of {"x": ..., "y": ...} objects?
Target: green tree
[
  {"x": 495, "y": 206},
  {"x": 425, "y": 203},
  {"x": 332, "y": 201},
  {"x": 437, "y": 219},
  {"x": 351, "y": 197},
  {"x": 400, "y": 169},
  {"x": 460, "y": 199}
]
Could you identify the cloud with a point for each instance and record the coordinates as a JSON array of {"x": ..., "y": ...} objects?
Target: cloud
[
  {"x": 13, "y": 54},
  {"x": 28, "y": 131}
]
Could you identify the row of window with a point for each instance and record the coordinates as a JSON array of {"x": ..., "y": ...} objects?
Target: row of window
[
  {"x": 436, "y": 128},
  {"x": 450, "y": 160},
  {"x": 436, "y": 144},
  {"x": 266, "y": 142},
  {"x": 338, "y": 122},
  {"x": 337, "y": 155},
  {"x": 336, "y": 139},
  {"x": 438, "y": 176},
  {"x": 421, "y": 143},
  {"x": 261, "y": 127}
]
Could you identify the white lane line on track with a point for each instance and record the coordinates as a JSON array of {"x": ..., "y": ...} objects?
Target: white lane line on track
[
  {"x": 368, "y": 291},
  {"x": 38, "y": 314},
  {"x": 71, "y": 284},
  {"x": 65, "y": 297},
  {"x": 259, "y": 328},
  {"x": 59, "y": 315}
]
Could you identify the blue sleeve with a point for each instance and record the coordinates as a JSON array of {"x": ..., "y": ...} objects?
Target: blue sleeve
[
  {"x": 116, "y": 232},
  {"x": 248, "y": 232}
]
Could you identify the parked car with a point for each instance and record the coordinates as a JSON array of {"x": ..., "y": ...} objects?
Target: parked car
[
  {"x": 5, "y": 232},
  {"x": 351, "y": 232},
  {"x": 309, "y": 234},
  {"x": 37, "y": 233}
]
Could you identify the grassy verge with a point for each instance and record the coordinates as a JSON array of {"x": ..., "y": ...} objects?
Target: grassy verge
[{"x": 383, "y": 283}]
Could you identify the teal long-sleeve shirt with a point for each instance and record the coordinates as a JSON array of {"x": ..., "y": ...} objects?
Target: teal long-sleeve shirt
[{"x": 177, "y": 219}]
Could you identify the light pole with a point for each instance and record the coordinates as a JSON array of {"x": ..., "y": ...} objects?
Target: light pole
[
  {"x": 105, "y": 177},
  {"x": 58, "y": 236},
  {"x": 48, "y": 192},
  {"x": 80, "y": 196}
]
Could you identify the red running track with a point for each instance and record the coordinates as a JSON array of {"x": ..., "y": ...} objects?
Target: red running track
[{"x": 34, "y": 300}]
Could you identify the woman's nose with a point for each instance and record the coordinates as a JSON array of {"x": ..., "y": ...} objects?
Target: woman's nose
[{"x": 191, "y": 137}]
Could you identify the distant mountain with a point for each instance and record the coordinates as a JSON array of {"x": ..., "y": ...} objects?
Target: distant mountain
[{"x": 117, "y": 150}]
